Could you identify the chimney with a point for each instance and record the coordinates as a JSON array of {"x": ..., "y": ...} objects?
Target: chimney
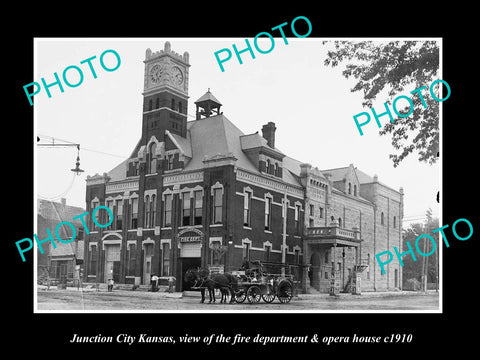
[{"x": 268, "y": 133}]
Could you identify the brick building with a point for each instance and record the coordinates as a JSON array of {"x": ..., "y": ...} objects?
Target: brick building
[{"x": 203, "y": 193}]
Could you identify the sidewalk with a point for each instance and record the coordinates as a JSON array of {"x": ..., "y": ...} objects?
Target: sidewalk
[{"x": 366, "y": 294}]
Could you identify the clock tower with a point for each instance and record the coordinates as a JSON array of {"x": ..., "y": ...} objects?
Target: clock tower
[{"x": 165, "y": 94}]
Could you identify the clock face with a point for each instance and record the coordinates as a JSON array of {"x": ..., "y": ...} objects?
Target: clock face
[
  {"x": 156, "y": 73},
  {"x": 177, "y": 75}
]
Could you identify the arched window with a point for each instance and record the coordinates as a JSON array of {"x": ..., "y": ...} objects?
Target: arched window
[
  {"x": 277, "y": 170},
  {"x": 340, "y": 222},
  {"x": 179, "y": 106},
  {"x": 354, "y": 190},
  {"x": 153, "y": 160},
  {"x": 146, "y": 214},
  {"x": 173, "y": 104},
  {"x": 349, "y": 188},
  {"x": 153, "y": 205},
  {"x": 382, "y": 219},
  {"x": 268, "y": 166}
]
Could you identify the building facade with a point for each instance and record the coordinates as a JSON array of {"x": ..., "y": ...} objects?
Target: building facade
[{"x": 203, "y": 193}]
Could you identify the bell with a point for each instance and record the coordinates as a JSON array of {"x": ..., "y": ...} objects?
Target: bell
[{"x": 77, "y": 169}]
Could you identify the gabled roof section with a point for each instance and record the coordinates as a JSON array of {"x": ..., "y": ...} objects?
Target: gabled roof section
[
  {"x": 182, "y": 144},
  {"x": 252, "y": 141},
  {"x": 119, "y": 172}
]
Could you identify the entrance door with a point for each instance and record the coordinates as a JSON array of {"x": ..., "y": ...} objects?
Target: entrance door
[
  {"x": 112, "y": 262},
  {"x": 188, "y": 263},
  {"x": 147, "y": 263}
]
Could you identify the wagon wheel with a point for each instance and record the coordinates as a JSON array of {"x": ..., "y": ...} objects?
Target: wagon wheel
[
  {"x": 240, "y": 296},
  {"x": 285, "y": 292},
  {"x": 268, "y": 298},
  {"x": 253, "y": 294}
]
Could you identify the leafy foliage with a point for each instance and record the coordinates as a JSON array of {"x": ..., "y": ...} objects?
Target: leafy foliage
[{"x": 396, "y": 67}]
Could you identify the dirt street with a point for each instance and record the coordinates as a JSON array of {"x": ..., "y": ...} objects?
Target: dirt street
[{"x": 120, "y": 300}]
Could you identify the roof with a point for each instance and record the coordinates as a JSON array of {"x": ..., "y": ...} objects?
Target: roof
[
  {"x": 59, "y": 212},
  {"x": 208, "y": 96},
  {"x": 118, "y": 172},
  {"x": 182, "y": 143},
  {"x": 216, "y": 135}
]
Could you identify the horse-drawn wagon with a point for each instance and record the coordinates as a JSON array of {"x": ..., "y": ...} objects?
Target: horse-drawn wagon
[
  {"x": 254, "y": 281},
  {"x": 261, "y": 280}
]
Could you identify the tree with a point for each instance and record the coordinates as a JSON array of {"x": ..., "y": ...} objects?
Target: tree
[
  {"x": 396, "y": 67},
  {"x": 413, "y": 269}
]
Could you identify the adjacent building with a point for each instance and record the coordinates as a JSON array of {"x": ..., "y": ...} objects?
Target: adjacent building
[{"x": 203, "y": 193}]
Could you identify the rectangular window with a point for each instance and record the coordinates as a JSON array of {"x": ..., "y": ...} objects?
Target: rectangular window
[
  {"x": 134, "y": 222},
  {"x": 214, "y": 253},
  {"x": 297, "y": 256},
  {"x": 268, "y": 249},
  {"x": 247, "y": 201},
  {"x": 246, "y": 251},
  {"x": 310, "y": 222},
  {"x": 186, "y": 209},
  {"x": 268, "y": 210},
  {"x": 165, "y": 259},
  {"x": 119, "y": 219},
  {"x": 109, "y": 204},
  {"x": 132, "y": 258},
  {"x": 153, "y": 212},
  {"x": 312, "y": 210},
  {"x": 170, "y": 162},
  {"x": 297, "y": 219},
  {"x": 321, "y": 212},
  {"x": 167, "y": 211},
  {"x": 198, "y": 201},
  {"x": 217, "y": 206},
  {"x": 92, "y": 269}
]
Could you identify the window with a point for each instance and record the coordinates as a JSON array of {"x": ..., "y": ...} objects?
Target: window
[
  {"x": 382, "y": 219},
  {"x": 198, "y": 201},
  {"x": 311, "y": 222},
  {"x": 167, "y": 210},
  {"x": 321, "y": 212},
  {"x": 153, "y": 212},
  {"x": 268, "y": 250},
  {"x": 246, "y": 251},
  {"x": 109, "y": 204},
  {"x": 339, "y": 222},
  {"x": 394, "y": 222},
  {"x": 277, "y": 170},
  {"x": 349, "y": 188},
  {"x": 247, "y": 202},
  {"x": 217, "y": 205},
  {"x": 326, "y": 257},
  {"x": 173, "y": 104},
  {"x": 179, "y": 106},
  {"x": 166, "y": 259},
  {"x": 215, "y": 253},
  {"x": 134, "y": 223},
  {"x": 186, "y": 209},
  {"x": 92, "y": 269},
  {"x": 157, "y": 105},
  {"x": 354, "y": 190},
  {"x": 368, "y": 268},
  {"x": 153, "y": 160},
  {"x": 119, "y": 219},
  {"x": 297, "y": 256},
  {"x": 132, "y": 258},
  {"x": 268, "y": 211},
  {"x": 150, "y": 106},
  {"x": 170, "y": 162},
  {"x": 146, "y": 213},
  {"x": 268, "y": 166},
  {"x": 297, "y": 219},
  {"x": 312, "y": 210}
]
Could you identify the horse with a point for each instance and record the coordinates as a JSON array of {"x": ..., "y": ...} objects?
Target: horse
[{"x": 202, "y": 278}]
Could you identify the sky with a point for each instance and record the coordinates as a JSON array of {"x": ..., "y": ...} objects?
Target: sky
[{"x": 311, "y": 105}]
